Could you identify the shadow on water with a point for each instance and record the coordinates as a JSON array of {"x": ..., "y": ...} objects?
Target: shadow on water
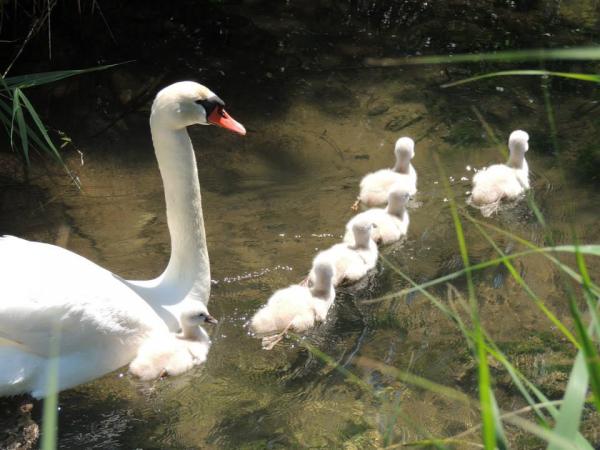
[{"x": 318, "y": 119}]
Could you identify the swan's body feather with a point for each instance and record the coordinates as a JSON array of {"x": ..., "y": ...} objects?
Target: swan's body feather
[
  {"x": 294, "y": 306},
  {"x": 387, "y": 228},
  {"x": 498, "y": 182},
  {"x": 374, "y": 187},
  {"x": 98, "y": 319}
]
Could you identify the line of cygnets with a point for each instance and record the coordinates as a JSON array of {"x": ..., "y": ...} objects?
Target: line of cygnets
[{"x": 300, "y": 307}]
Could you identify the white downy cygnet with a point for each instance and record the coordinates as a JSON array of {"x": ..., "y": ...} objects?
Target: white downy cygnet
[
  {"x": 501, "y": 181},
  {"x": 172, "y": 354},
  {"x": 389, "y": 224},
  {"x": 351, "y": 261},
  {"x": 297, "y": 307},
  {"x": 374, "y": 187}
]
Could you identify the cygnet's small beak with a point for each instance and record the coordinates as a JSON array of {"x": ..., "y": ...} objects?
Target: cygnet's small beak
[
  {"x": 210, "y": 319},
  {"x": 220, "y": 118}
]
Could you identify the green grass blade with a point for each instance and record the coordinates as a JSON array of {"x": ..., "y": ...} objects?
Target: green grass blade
[
  {"x": 331, "y": 362},
  {"x": 423, "y": 383},
  {"x": 486, "y": 395},
  {"x": 590, "y": 351},
  {"x": 20, "y": 124},
  {"x": 542, "y": 432},
  {"x": 593, "y": 250},
  {"x": 546, "y": 73},
  {"x": 520, "y": 381},
  {"x": 360, "y": 383},
  {"x": 538, "y": 301},
  {"x": 549, "y": 117},
  {"x": 50, "y": 408},
  {"x": 588, "y": 289},
  {"x": 554, "y": 438},
  {"x": 501, "y": 442},
  {"x": 590, "y": 53},
  {"x": 569, "y": 419},
  {"x": 40, "y": 126},
  {"x": 37, "y": 79},
  {"x": 13, "y": 115}
]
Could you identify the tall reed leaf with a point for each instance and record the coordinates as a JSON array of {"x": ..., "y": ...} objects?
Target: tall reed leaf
[
  {"x": 50, "y": 411},
  {"x": 17, "y": 116},
  {"x": 593, "y": 250},
  {"x": 11, "y": 90},
  {"x": 575, "y": 76},
  {"x": 569, "y": 419},
  {"x": 538, "y": 301},
  {"x": 37, "y": 79},
  {"x": 486, "y": 395},
  {"x": 591, "y": 53}
]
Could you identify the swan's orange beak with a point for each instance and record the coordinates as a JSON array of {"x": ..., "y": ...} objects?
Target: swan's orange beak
[{"x": 220, "y": 118}]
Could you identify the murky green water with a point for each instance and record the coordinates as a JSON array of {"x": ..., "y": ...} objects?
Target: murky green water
[{"x": 276, "y": 197}]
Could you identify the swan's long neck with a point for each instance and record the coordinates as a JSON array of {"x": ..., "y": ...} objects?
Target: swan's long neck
[
  {"x": 189, "y": 267},
  {"x": 322, "y": 288},
  {"x": 187, "y": 276},
  {"x": 516, "y": 159},
  {"x": 396, "y": 208},
  {"x": 402, "y": 164},
  {"x": 362, "y": 240}
]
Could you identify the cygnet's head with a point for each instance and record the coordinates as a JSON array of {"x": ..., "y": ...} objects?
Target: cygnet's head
[
  {"x": 398, "y": 195},
  {"x": 397, "y": 199},
  {"x": 188, "y": 103},
  {"x": 362, "y": 232},
  {"x": 405, "y": 148},
  {"x": 195, "y": 316},
  {"x": 518, "y": 141}
]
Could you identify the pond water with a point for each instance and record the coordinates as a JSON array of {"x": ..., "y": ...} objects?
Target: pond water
[{"x": 274, "y": 198}]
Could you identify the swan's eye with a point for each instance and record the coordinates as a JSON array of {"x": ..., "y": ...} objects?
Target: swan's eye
[{"x": 210, "y": 104}]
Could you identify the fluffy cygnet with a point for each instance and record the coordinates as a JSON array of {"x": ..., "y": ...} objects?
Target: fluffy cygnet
[
  {"x": 351, "y": 261},
  {"x": 389, "y": 224},
  {"x": 173, "y": 354},
  {"x": 501, "y": 181},
  {"x": 297, "y": 307},
  {"x": 374, "y": 187}
]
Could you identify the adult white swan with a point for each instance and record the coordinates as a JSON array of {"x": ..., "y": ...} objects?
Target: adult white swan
[{"x": 55, "y": 303}]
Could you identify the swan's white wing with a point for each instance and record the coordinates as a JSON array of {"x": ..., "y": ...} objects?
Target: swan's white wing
[{"x": 46, "y": 290}]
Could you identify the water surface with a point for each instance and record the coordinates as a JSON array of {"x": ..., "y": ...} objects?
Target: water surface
[{"x": 274, "y": 198}]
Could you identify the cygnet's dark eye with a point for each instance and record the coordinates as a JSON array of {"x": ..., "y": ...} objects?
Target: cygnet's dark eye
[{"x": 210, "y": 104}]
